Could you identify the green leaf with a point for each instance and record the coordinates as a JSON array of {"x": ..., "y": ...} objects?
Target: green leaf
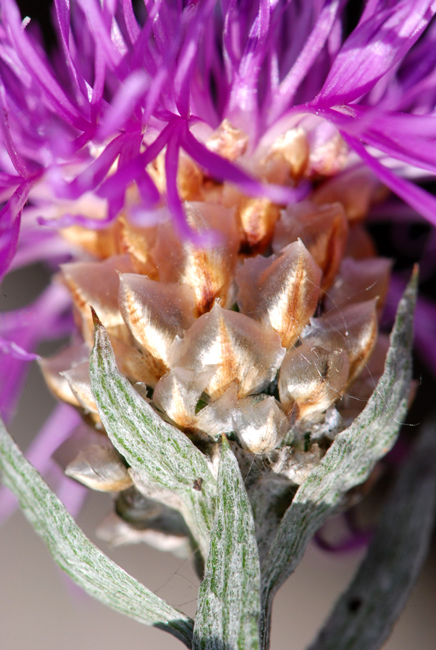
[
  {"x": 76, "y": 555},
  {"x": 348, "y": 462},
  {"x": 229, "y": 602},
  {"x": 364, "y": 615},
  {"x": 160, "y": 455}
]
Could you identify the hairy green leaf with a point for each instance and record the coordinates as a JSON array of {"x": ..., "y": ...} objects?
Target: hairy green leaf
[
  {"x": 364, "y": 615},
  {"x": 76, "y": 555},
  {"x": 160, "y": 455},
  {"x": 229, "y": 602},
  {"x": 348, "y": 462}
]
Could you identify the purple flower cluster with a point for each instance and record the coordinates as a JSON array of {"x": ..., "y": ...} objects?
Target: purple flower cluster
[{"x": 81, "y": 125}]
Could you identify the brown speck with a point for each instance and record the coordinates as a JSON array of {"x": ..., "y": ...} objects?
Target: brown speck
[
  {"x": 198, "y": 484},
  {"x": 354, "y": 604}
]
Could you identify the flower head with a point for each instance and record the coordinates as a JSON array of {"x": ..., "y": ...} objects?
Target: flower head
[{"x": 204, "y": 170}]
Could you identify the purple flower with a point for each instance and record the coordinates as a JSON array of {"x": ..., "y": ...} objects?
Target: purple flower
[
  {"x": 129, "y": 109},
  {"x": 121, "y": 91}
]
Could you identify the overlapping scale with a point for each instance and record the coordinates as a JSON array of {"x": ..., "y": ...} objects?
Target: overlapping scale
[
  {"x": 353, "y": 328},
  {"x": 117, "y": 532},
  {"x": 355, "y": 188},
  {"x": 242, "y": 350},
  {"x": 323, "y": 229},
  {"x": 280, "y": 291},
  {"x": 96, "y": 284},
  {"x": 102, "y": 243},
  {"x": 137, "y": 242},
  {"x": 207, "y": 266},
  {"x": 216, "y": 417},
  {"x": 98, "y": 466},
  {"x": 53, "y": 368},
  {"x": 360, "y": 245},
  {"x": 360, "y": 280},
  {"x": 80, "y": 384},
  {"x": 355, "y": 399},
  {"x": 228, "y": 141},
  {"x": 189, "y": 178},
  {"x": 259, "y": 423},
  {"x": 137, "y": 365},
  {"x": 328, "y": 151},
  {"x": 312, "y": 378},
  {"x": 178, "y": 393},
  {"x": 155, "y": 313},
  {"x": 257, "y": 218}
]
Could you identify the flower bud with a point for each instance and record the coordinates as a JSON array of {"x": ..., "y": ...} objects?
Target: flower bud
[
  {"x": 228, "y": 141},
  {"x": 257, "y": 218},
  {"x": 286, "y": 159}
]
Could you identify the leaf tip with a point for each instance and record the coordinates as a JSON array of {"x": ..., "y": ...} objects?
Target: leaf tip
[
  {"x": 409, "y": 297},
  {"x": 95, "y": 319}
]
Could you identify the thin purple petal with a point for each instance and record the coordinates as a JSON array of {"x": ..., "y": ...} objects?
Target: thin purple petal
[
  {"x": 374, "y": 47},
  {"x": 314, "y": 44},
  {"x": 413, "y": 195}
]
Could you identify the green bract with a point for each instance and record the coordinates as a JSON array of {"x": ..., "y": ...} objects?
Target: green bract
[
  {"x": 229, "y": 602},
  {"x": 365, "y": 614},
  {"x": 76, "y": 555}
]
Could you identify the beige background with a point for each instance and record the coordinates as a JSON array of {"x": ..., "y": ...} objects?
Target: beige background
[{"x": 39, "y": 610}]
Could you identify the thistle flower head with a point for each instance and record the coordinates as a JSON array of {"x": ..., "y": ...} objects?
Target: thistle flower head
[{"x": 204, "y": 172}]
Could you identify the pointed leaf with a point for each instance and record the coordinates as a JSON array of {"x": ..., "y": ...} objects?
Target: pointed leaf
[
  {"x": 76, "y": 555},
  {"x": 350, "y": 459},
  {"x": 160, "y": 455},
  {"x": 364, "y": 615},
  {"x": 229, "y": 603}
]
